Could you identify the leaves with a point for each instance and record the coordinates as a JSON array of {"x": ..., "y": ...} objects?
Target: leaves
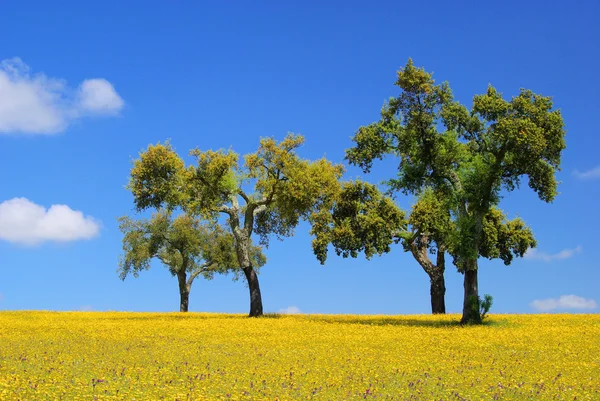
[
  {"x": 211, "y": 183},
  {"x": 505, "y": 239},
  {"x": 467, "y": 158},
  {"x": 158, "y": 178},
  {"x": 182, "y": 244},
  {"x": 361, "y": 219}
]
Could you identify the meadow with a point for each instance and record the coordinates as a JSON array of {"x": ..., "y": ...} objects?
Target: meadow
[{"x": 197, "y": 356}]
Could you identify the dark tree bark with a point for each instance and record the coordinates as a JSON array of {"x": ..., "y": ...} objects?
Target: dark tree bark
[
  {"x": 471, "y": 298},
  {"x": 256, "y": 307},
  {"x": 243, "y": 247},
  {"x": 437, "y": 289},
  {"x": 471, "y": 313},
  {"x": 438, "y": 285},
  {"x": 184, "y": 292},
  {"x": 438, "y": 295}
]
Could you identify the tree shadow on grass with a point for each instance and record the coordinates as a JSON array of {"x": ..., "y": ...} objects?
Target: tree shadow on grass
[
  {"x": 411, "y": 322},
  {"x": 395, "y": 321},
  {"x": 405, "y": 321}
]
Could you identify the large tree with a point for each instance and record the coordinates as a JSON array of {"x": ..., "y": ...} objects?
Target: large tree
[
  {"x": 185, "y": 246},
  {"x": 364, "y": 220},
  {"x": 469, "y": 156},
  {"x": 434, "y": 233},
  {"x": 268, "y": 194}
]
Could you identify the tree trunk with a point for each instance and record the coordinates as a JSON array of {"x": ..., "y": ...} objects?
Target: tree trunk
[
  {"x": 438, "y": 293},
  {"x": 256, "y": 307},
  {"x": 242, "y": 248},
  {"x": 184, "y": 292},
  {"x": 471, "y": 312},
  {"x": 437, "y": 289},
  {"x": 243, "y": 245}
]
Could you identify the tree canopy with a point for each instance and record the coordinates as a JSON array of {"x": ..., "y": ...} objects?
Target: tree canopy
[
  {"x": 185, "y": 246},
  {"x": 471, "y": 157},
  {"x": 362, "y": 219},
  {"x": 268, "y": 193}
]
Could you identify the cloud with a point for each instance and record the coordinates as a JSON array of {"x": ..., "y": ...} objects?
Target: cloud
[
  {"x": 85, "y": 308},
  {"x": 564, "y": 302},
  {"x": 99, "y": 96},
  {"x": 37, "y": 104},
  {"x": 592, "y": 174},
  {"x": 290, "y": 310},
  {"x": 534, "y": 254},
  {"x": 24, "y": 222}
]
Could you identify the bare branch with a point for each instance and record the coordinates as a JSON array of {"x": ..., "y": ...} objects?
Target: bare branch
[
  {"x": 421, "y": 254},
  {"x": 227, "y": 210},
  {"x": 244, "y": 196},
  {"x": 259, "y": 210},
  {"x": 196, "y": 273}
]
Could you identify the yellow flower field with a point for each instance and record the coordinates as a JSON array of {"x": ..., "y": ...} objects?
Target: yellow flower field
[{"x": 174, "y": 356}]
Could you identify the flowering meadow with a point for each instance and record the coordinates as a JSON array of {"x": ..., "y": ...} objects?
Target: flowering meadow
[{"x": 175, "y": 356}]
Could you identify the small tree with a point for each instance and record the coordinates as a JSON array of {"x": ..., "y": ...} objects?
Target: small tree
[
  {"x": 185, "y": 246},
  {"x": 430, "y": 227},
  {"x": 468, "y": 156},
  {"x": 268, "y": 194}
]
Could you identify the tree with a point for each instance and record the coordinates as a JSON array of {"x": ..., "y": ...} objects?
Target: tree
[
  {"x": 471, "y": 157},
  {"x": 434, "y": 232},
  {"x": 431, "y": 226},
  {"x": 285, "y": 189},
  {"x": 185, "y": 246},
  {"x": 365, "y": 220}
]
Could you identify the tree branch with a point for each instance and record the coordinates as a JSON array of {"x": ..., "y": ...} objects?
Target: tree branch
[
  {"x": 254, "y": 208},
  {"x": 421, "y": 254},
  {"x": 244, "y": 196},
  {"x": 196, "y": 273},
  {"x": 227, "y": 210}
]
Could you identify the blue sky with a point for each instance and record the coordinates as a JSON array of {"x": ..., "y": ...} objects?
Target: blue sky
[{"x": 84, "y": 86}]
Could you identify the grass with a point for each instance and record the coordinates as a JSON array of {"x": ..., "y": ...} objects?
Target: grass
[{"x": 197, "y": 356}]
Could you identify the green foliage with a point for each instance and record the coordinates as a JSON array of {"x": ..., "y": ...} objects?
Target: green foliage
[
  {"x": 182, "y": 244},
  {"x": 479, "y": 308},
  {"x": 485, "y": 305},
  {"x": 430, "y": 217},
  {"x": 289, "y": 187},
  {"x": 504, "y": 239},
  {"x": 286, "y": 187},
  {"x": 466, "y": 158},
  {"x": 158, "y": 178},
  {"x": 361, "y": 219},
  {"x": 211, "y": 183}
]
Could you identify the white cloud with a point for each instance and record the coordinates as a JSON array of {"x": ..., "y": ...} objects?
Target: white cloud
[
  {"x": 290, "y": 310},
  {"x": 534, "y": 254},
  {"x": 24, "y": 222},
  {"x": 99, "y": 96},
  {"x": 588, "y": 175},
  {"x": 564, "y": 302},
  {"x": 85, "y": 308},
  {"x": 37, "y": 104}
]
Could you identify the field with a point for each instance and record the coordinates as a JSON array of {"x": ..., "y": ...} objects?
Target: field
[{"x": 174, "y": 356}]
